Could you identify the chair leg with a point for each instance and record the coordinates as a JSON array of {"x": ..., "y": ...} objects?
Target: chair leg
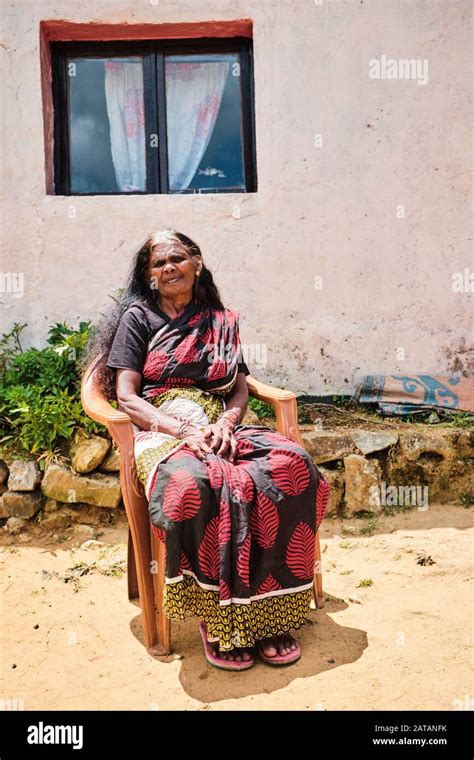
[
  {"x": 318, "y": 594},
  {"x": 163, "y": 627},
  {"x": 142, "y": 549},
  {"x": 131, "y": 570}
]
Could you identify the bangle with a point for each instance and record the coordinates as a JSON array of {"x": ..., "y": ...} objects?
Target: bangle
[{"x": 231, "y": 414}]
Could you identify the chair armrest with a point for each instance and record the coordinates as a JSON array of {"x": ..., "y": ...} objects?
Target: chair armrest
[
  {"x": 95, "y": 403},
  {"x": 267, "y": 392},
  {"x": 118, "y": 423},
  {"x": 99, "y": 409},
  {"x": 284, "y": 404}
]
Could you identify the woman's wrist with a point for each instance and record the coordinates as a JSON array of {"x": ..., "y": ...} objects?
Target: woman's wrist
[
  {"x": 170, "y": 425},
  {"x": 230, "y": 417}
]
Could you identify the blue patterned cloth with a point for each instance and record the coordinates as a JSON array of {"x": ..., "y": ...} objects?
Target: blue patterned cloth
[{"x": 401, "y": 395}]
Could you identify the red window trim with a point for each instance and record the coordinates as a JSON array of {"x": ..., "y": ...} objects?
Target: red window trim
[{"x": 69, "y": 31}]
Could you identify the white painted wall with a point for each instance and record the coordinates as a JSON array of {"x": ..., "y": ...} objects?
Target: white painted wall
[{"x": 327, "y": 211}]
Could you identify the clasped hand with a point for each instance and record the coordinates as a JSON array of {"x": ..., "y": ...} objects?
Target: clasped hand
[{"x": 216, "y": 439}]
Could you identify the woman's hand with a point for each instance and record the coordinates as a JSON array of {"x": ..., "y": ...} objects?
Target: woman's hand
[
  {"x": 194, "y": 438},
  {"x": 220, "y": 437}
]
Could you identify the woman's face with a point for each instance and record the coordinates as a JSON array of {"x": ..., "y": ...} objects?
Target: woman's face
[{"x": 171, "y": 270}]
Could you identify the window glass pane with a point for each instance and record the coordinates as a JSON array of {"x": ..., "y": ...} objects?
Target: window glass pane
[
  {"x": 204, "y": 122},
  {"x": 106, "y": 125}
]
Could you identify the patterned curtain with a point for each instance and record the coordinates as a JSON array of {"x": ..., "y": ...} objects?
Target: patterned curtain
[
  {"x": 125, "y": 109},
  {"x": 193, "y": 99}
]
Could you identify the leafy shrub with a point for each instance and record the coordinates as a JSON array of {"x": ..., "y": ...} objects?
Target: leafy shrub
[
  {"x": 261, "y": 408},
  {"x": 40, "y": 405}
]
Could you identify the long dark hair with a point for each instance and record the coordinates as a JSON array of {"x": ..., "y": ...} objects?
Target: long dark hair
[{"x": 138, "y": 290}]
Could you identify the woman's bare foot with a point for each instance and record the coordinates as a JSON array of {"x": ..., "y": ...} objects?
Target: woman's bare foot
[
  {"x": 238, "y": 654},
  {"x": 283, "y": 644}
]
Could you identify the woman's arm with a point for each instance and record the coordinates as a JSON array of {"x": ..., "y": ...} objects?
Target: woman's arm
[
  {"x": 140, "y": 411},
  {"x": 148, "y": 417},
  {"x": 237, "y": 398}
]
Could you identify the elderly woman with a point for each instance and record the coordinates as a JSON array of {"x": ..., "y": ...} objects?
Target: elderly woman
[{"x": 237, "y": 506}]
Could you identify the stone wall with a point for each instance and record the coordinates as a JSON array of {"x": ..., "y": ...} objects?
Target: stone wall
[{"x": 369, "y": 472}]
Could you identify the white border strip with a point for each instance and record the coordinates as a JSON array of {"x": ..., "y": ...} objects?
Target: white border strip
[{"x": 236, "y": 600}]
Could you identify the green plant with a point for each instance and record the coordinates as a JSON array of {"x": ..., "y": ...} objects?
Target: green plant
[
  {"x": 304, "y": 416},
  {"x": 261, "y": 408},
  {"x": 40, "y": 405},
  {"x": 38, "y": 423},
  {"x": 370, "y": 528},
  {"x": 6, "y": 348},
  {"x": 63, "y": 337},
  {"x": 341, "y": 400},
  {"x": 365, "y": 582},
  {"x": 466, "y": 499},
  {"x": 459, "y": 420}
]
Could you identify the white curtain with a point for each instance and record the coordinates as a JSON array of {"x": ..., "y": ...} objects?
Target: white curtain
[
  {"x": 193, "y": 98},
  {"x": 125, "y": 109}
]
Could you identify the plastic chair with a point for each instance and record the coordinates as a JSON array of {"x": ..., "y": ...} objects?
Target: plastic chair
[{"x": 143, "y": 545}]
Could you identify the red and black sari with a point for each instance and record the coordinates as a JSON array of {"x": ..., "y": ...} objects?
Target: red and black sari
[{"x": 239, "y": 537}]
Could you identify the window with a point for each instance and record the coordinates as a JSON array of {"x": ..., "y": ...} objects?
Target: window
[{"x": 153, "y": 117}]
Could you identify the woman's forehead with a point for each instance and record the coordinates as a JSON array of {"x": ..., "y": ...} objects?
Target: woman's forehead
[{"x": 161, "y": 250}]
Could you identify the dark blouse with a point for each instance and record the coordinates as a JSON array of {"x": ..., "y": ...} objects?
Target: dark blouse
[{"x": 135, "y": 330}]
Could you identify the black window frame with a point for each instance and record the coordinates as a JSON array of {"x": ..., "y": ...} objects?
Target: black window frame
[{"x": 153, "y": 52}]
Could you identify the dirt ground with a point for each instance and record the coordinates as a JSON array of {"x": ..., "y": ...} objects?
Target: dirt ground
[{"x": 402, "y": 642}]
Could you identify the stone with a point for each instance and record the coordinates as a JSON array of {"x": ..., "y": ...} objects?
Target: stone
[
  {"x": 111, "y": 462},
  {"x": 4, "y": 472},
  {"x": 51, "y": 505},
  {"x": 363, "y": 484},
  {"x": 92, "y": 544},
  {"x": 22, "y": 504},
  {"x": 88, "y": 453},
  {"x": 335, "y": 478},
  {"x": 24, "y": 475},
  {"x": 447, "y": 478},
  {"x": 2, "y": 509},
  {"x": 368, "y": 442},
  {"x": 327, "y": 447},
  {"x": 413, "y": 444},
  {"x": 58, "y": 520},
  {"x": 63, "y": 484},
  {"x": 462, "y": 442},
  {"x": 15, "y": 525},
  {"x": 87, "y": 531}
]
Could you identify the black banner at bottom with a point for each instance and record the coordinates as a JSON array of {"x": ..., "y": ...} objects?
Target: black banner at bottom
[{"x": 78, "y": 734}]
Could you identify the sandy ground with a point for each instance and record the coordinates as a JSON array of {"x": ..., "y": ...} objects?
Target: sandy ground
[{"x": 401, "y": 643}]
